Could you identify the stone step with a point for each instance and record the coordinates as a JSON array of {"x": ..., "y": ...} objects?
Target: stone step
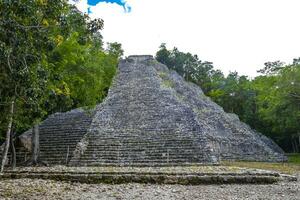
[
  {"x": 145, "y": 151},
  {"x": 142, "y": 143},
  {"x": 54, "y": 154},
  {"x": 56, "y": 146},
  {"x": 61, "y": 140},
  {"x": 53, "y": 146},
  {"x": 123, "y": 153},
  {"x": 136, "y": 164},
  {"x": 138, "y": 139},
  {"x": 120, "y": 154},
  {"x": 55, "y": 159},
  {"x": 62, "y": 133},
  {"x": 149, "y": 162},
  {"x": 58, "y": 124},
  {"x": 144, "y": 147},
  {"x": 136, "y": 158},
  {"x": 148, "y": 159},
  {"x": 140, "y": 154},
  {"x": 116, "y": 155},
  {"x": 116, "y": 145},
  {"x": 108, "y": 176},
  {"x": 60, "y": 137}
]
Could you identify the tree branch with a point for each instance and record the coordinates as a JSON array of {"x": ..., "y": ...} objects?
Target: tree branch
[{"x": 8, "y": 63}]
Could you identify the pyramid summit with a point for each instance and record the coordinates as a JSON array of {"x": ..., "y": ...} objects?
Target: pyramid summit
[{"x": 150, "y": 117}]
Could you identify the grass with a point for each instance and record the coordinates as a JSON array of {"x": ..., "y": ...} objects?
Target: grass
[
  {"x": 168, "y": 83},
  {"x": 165, "y": 81},
  {"x": 294, "y": 158},
  {"x": 291, "y": 167},
  {"x": 162, "y": 75}
]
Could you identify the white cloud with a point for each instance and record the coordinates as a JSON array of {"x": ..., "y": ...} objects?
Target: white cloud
[
  {"x": 81, "y": 5},
  {"x": 234, "y": 34}
]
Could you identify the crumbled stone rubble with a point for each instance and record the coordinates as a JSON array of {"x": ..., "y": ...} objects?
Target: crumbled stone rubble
[
  {"x": 192, "y": 175},
  {"x": 47, "y": 189},
  {"x": 165, "y": 170}
]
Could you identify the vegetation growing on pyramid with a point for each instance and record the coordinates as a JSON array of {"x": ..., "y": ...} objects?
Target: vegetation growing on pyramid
[
  {"x": 52, "y": 60},
  {"x": 269, "y": 102}
]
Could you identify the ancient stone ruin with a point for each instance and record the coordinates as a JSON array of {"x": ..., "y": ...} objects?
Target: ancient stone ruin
[{"x": 151, "y": 117}]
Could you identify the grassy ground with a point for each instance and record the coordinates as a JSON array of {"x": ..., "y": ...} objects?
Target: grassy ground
[
  {"x": 294, "y": 158},
  {"x": 291, "y": 167}
]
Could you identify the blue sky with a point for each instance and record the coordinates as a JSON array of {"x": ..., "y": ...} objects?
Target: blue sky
[
  {"x": 122, "y": 3},
  {"x": 236, "y": 35}
]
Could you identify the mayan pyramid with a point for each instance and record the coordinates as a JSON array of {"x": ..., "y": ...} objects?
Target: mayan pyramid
[{"x": 150, "y": 117}]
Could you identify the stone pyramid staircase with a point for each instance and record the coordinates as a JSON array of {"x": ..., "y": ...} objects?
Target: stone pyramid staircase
[
  {"x": 142, "y": 123},
  {"x": 151, "y": 117},
  {"x": 60, "y": 133}
]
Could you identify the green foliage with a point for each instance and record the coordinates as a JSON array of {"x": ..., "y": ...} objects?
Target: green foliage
[
  {"x": 25, "y": 40},
  {"x": 82, "y": 75},
  {"x": 278, "y": 103},
  {"x": 294, "y": 158},
  {"x": 187, "y": 65},
  {"x": 115, "y": 49},
  {"x": 272, "y": 67},
  {"x": 52, "y": 59}
]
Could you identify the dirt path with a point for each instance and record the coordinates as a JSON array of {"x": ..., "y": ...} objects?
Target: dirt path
[{"x": 46, "y": 189}]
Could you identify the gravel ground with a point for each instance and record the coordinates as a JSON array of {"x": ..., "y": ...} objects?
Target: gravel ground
[{"x": 47, "y": 189}]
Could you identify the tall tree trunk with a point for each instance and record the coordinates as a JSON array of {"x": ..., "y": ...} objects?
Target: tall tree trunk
[
  {"x": 293, "y": 145},
  {"x": 8, "y": 132},
  {"x": 296, "y": 145},
  {"x": 299, "y": 141},
  {"x": 35, "y": 144},
  {"x": 13, "y": 151}
]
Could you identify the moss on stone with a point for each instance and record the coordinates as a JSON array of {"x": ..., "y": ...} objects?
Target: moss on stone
[
  {"x": 168, "y": 84},
  {"x": 200, "y": 112},
  {"x": 162, "y": 75},
  {"x": 179, "y": 97}
]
